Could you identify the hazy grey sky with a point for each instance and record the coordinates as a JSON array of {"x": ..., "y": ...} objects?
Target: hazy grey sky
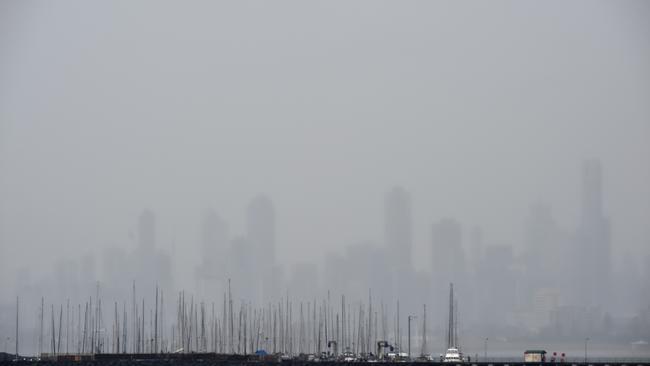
[{"x": 477, "y": 109}]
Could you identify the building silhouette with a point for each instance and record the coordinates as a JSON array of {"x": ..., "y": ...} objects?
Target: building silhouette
[
  {"x": 497, "y": 285},
  {"x": 448, "y": 257},
  {"x": 398, "y": 227},
  {"x": 147, "y": 231},
  {"x": 151, "y": 266},
  {"x": 212, "y": 273},
  {"x": 593, "y": 239},
  {"x": 260, "y": 236},
  {"x": 545, "y": 252},
  {"x": 260, "y": 229}
]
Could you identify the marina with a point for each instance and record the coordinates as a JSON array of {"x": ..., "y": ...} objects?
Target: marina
[
  {"x": 293, "y": 333},
  {"x": 222, "y": 359}
]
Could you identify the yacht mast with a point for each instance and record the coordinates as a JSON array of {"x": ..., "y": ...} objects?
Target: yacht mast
[{"x": 451, "y": 338}]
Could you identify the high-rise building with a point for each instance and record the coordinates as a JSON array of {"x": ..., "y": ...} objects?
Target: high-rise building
[
  {"x": 260, "y": 235},
  {"x": 152, "y": 266},
  {"x": 497, "y": 285},
  {"x": 543, "y": 250},
  {"x": 147, "y": 231},
  {"x": 212, "y": 272},
  {"x": 593, "y": 239},
  {"x": 260, "y": 228},
  {"x": 447, "y": 251},
  {"x": 475, "y": 248},
  {"x": 214, "y": 239},
  {"x": 448, "y": 257},
  {"x": 245, "y": 274},
  {"x": 592, "y": 190},
  {"x": 398, "y": 227}
]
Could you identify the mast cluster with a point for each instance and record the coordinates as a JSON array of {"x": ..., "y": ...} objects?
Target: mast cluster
[{"x": 285, "y": 326}]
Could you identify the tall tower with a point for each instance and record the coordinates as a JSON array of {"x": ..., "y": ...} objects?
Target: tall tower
[
  {"x": 592, "y": 190},
  {"x": 543, "y": 251},
  {"x": 593, "y": 238},
  {"x": 448, "y": 256},
  {"x": 447, "y": 251},
  {"x": 260, "y": 236},
  {"x": 212, "y": 272},
  {"x": 398, "y": 227},
  {"x": 214, "y": 239},
  {"x": 153, "y": 266},
  {"x": 260, "y": 228},
  {"x": 147, "y": 231}
]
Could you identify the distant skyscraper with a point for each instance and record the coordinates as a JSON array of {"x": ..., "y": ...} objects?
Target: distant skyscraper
[
  {"x": 212, "y": 272},
  {"x": 542, "y": 248},
  {"x": 592, "y": 190},
  {"x": 497, "y": 285},
  {"x": 214, "y": 239},
  {"x": 152, "y": 266},
  {"x": 448, "y": 255},
  {"x": 475, "y": 248},
  {"x": 593, "y": 247},
  {"x": 147, "y": 231},
  {"x": 260, "y": 228},
  {"x": 398, "y": 227},
  {"x": 247, "y": 276},
  {"x": 260, "y": 234}
]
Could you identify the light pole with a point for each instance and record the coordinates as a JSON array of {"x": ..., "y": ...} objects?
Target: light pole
[
  {"x": 586, "y": 340},
  {"x": 485, "y": 350},
  {"x": 409, "y": 318}
]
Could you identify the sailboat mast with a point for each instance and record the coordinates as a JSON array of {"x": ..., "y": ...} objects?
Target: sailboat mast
[
  {"x": 424, "y": 330},
  {"x": 369, "y": 335},
  {"x": 17, "y": 315},
  {"x": 456, "y": 323},
  {"x": 450, "y": 330},
  {"x": 58, "y": 343},
  {"x": 67, "y": 327},
  {"x": 40, "y": 339},
  {"x": 155, "y": 325}
]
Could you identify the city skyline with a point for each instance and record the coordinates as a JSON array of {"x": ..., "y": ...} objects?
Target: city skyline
[
  {"x": 359, "y": 152},
  {"x": 217, "y": 251}
]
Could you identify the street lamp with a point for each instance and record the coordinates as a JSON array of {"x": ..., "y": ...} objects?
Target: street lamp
[
  {"x": 409, "y": 318},
  {"x": 586, "y": 340},
  {"x": 485, "y": 350}
]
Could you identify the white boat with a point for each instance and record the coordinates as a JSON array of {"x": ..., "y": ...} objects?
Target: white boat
[
  {"x": 453, "y": 355},
  {"x": 348, "y": 357}
]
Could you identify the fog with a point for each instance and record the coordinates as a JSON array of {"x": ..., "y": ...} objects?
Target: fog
[{"x": 300, "y": 148}]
